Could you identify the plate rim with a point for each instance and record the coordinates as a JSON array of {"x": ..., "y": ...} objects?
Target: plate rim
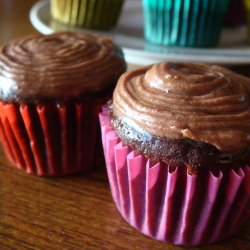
[{"x": 143, "y": 57}]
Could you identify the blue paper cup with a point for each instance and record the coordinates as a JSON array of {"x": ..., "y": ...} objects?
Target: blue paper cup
[{"x": 184, "y": 23}]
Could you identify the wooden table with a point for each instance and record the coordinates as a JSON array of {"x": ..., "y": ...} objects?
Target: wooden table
[{"x": 74, "y": 212}]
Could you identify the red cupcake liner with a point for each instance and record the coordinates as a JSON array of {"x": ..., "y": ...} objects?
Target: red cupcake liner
[
  {"x": 51, "y": 139},
  {"x": 174, "y": 206}
]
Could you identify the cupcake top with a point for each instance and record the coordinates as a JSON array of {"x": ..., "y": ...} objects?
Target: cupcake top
[
  {"x": 61, "y": 65},
  {"x": 194, "y": 113}
]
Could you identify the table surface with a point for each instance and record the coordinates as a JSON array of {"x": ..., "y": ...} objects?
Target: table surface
[{"x": 73, "y": 212}]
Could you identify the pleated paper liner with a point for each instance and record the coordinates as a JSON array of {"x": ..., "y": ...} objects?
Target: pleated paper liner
[
  {"x": 247, "y": 12},
  {"x": 51, "y": 139},
  {"x": 172, "y": 205},
  {"x": 92, "y": 14},
  {"x": 183, "y": 23}
]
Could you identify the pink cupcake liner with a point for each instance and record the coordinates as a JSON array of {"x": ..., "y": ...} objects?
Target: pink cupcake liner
[
  {"x": 174, "y": 206},
  {"x": 51, "y": 139}
]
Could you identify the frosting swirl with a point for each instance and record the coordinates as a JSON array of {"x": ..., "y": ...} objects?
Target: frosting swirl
[
  {"x": 59, "y": 65},
  {"x": 205, "y": 103}
]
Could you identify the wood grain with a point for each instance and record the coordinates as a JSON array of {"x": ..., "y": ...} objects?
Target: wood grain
[
  {"x": 14, "y": 19},
  {"x": 75, "y": 212}
]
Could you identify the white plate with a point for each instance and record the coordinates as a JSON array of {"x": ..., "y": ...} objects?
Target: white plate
[{"x": 128, "y": 34}]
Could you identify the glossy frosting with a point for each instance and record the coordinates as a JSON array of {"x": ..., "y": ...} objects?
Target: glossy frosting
[
  {"x": 205, "y": 103},
  {"x": 58, "y": 65}
]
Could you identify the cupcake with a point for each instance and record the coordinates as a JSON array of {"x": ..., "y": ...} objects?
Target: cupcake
[
  {"x": 247, "y": 11},
  {"x": 235, "y": 14},
  {"x": 183, "y": 23},
  {"x": 51, "y": 89},
  {"x": 91, "y": 14},
  {"x": 176, "y": 140}
]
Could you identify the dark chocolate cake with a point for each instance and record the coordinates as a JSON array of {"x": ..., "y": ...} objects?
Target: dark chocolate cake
[{"x": 193, "y": 114}]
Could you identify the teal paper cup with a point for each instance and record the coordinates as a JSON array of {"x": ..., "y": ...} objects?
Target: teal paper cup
[{"x": 184, "y": 23}]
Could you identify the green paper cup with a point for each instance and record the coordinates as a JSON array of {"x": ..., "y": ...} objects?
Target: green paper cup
[{"x": 91, "y": 14}]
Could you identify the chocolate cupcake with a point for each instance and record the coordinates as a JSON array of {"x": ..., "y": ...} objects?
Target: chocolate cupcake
[
  {"x": 51, "y": 89},
  {"x": 176, "y": 140}
]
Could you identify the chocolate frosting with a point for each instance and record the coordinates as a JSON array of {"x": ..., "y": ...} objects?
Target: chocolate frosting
[
  {"x": 58, "y": 66},
  {"x": 203, "y": 103}
]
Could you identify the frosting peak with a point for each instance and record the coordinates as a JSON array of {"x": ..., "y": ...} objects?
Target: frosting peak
[
  {"x": 201, "y": 102},
  {"x": 183, "y": 79},
  {"x": 58, "y": 65}
]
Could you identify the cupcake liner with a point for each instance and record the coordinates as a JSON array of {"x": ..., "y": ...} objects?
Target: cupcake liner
[
  {"x": 183, "y": 23},
  {"x": 235, "y": 15},
  {"x": 93, "y": 14},
  {"x": 169, "y": 204},
  {"x": 51, "y": 139},
  {"x": 247, "y": 12}
]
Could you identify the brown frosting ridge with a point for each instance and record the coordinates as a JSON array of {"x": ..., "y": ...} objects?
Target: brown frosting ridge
[
  {"x": 204, "y": 103},
  {"x": 58, "y": 65}
]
